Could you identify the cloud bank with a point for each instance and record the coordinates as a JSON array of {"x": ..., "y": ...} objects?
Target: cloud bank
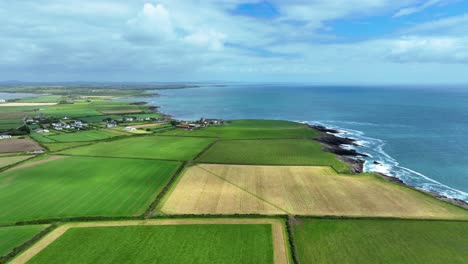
[{"x": 232, "y": 40}]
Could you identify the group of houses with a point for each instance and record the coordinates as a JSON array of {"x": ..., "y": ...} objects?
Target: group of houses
[
  {"x": 203, "y": 122},
  {"x": 65, "y": 123},
  {"x": 115, "y": 123},
  {"x": 76, "y": 124}
]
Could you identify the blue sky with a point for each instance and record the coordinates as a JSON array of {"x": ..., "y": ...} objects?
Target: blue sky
[{"x": 315, "y": 41}]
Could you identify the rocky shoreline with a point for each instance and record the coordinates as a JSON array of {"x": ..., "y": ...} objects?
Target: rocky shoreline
[{"x": 334, "y": 144}]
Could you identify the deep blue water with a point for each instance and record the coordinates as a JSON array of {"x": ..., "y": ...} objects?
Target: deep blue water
[{"x": 419, "y": 134}]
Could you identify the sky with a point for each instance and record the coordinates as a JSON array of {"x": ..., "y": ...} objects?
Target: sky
[{"x": 309, "y": 41}]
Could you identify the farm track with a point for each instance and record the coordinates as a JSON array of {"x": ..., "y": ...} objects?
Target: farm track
[{"x": 280, "y": 254}]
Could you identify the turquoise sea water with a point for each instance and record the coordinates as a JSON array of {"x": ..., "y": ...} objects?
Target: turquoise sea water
[{"x": 419, "y": 134}]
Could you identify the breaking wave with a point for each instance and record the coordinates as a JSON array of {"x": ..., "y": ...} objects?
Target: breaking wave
[{"x": 382, "y": 162}]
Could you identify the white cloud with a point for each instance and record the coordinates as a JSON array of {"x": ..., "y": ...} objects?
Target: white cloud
[
  {"x": 173, "y": 39},
  {"x": 212, "y": 39},
  {"x": 415, "y": 9},
  {"x": 430, "y": 49},
  {"x": 153, "y": 22},
  {"x": 454, "y": 24}
]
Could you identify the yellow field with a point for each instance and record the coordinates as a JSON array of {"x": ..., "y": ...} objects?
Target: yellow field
[{"x": 298, "y": 190}]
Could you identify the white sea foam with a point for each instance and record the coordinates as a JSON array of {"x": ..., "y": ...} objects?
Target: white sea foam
[{"x": 374, "y": 148}]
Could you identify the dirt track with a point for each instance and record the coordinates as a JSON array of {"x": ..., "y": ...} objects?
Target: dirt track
[{"x": 281, "y": 253}]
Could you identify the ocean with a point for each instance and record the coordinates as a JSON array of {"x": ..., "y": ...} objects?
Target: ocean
[{"x": 418, "y": 134}]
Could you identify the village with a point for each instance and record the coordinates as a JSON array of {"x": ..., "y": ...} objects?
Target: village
[{"x": 203, "y": 122}]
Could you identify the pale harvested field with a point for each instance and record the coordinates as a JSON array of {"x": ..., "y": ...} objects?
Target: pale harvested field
[
  {"x": 7, "y": 161},
  {"x": 121, "y": 111},
  {"x": 27, "y": 104},
  {"x": 34, "y": 163},
  {"x": 297, "y": 190},
  {"x": 18, "y": 145},
  {"x": 281, "y": 251},
  {"x": 148, "y": 125}
]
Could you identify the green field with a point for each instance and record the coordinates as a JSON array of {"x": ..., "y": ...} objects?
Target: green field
[
  {"x": 162, "y": 244},
  {"x": 381, "y": 241},
  {"x": 88, "y": 135},
  {"x": 148, "y": 147},
  {"x": 41, "y": 99},
  {"x": 14, "y": 236},
  {"x": 251, "y": 129},
  {"x": 7, "y": 124},
  {"x": 57, "y": 146},
  {"x": 6, "y": 161},
  {"x": 99, "y": 118},
  {"x": 272, "y": 152},
  {"x": 82, "y": 186},
  {"x": 42, "y": 138},
  {"x": 82, "y": 108}
]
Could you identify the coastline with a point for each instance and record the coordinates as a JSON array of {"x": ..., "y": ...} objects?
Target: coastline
[{"x": 334, "y": 143}]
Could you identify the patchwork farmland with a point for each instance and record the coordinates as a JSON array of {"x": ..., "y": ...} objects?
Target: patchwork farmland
[{"x": 241, "y": 191}]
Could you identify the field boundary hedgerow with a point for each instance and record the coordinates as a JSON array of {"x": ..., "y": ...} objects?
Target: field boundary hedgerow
[
  {"x": 6, "y": 168},
  {"x": 291, "y": 240},
  {"x": 114, "y": 157},
  {"x": 149, "y": 212},
  {"x": 17, "y": 250}
]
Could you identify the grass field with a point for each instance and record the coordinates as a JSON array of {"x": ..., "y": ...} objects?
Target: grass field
[
  {"x": 84, "y": 109},
  {"x": 149, "y": 147},
  {"x": 381, "y": 241},
  {"x": 6, "y": 161},
  {"x": 251, "y": 129},
  {"x": 88, "y": 135},
  {"x": 81, "y": 186},
  {"x": 42, "y": 138},
  {"x": 272, "y": 152},
  {"x": 162, "y": 244},
  {"x": 57, "y": 146},
  {"x": 14, "y": 236},
  {"x": 298, "y": 190},
  {"x": 18, "y": 145},
  {"x": 41, "y": 99}
]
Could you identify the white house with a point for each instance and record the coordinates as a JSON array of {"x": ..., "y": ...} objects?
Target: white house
[
  {"x": 130, "y": 129},
  {"x": 5, "y": 136}
]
